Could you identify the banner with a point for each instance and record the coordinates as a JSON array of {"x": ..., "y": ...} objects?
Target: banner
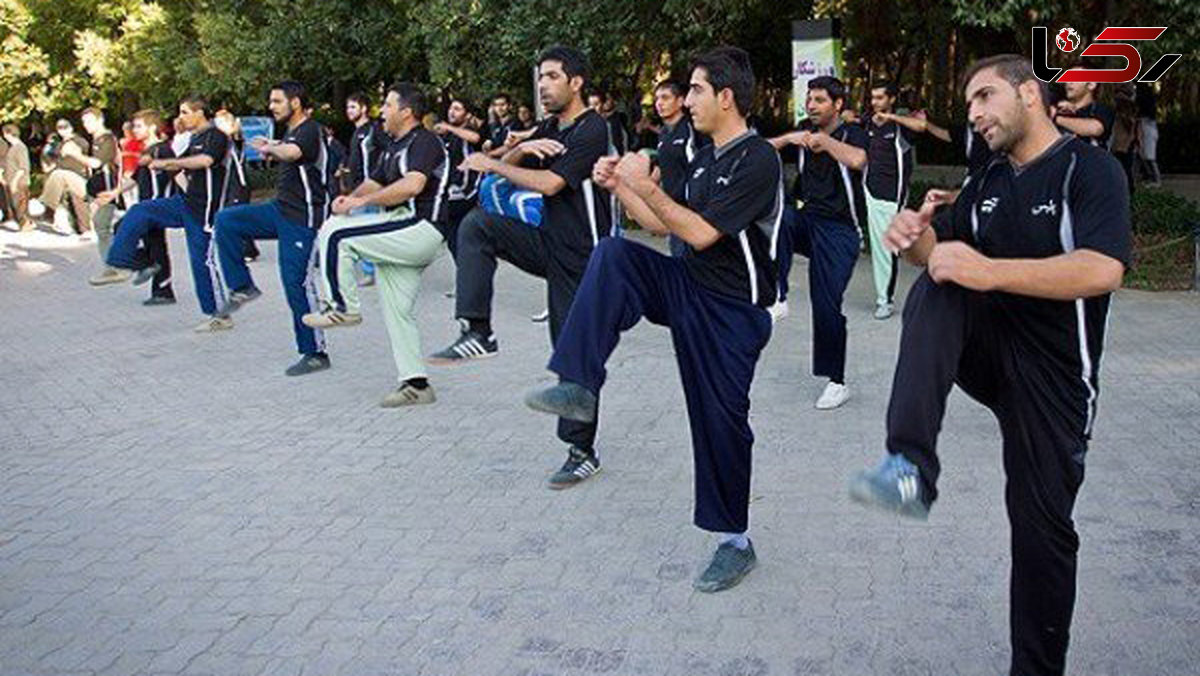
[
  {"x": 816, "y": 50},
  {"x": 253, "y": 127}
]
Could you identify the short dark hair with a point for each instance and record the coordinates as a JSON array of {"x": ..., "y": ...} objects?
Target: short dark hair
[
  {"x": 197, "y": 102},
  {"x": 574, "y": 62},
  {"x": 729, "y": 68},
  {"x": 411, "y": 97},
  {"x": 832, "y": 86},
  {"x": 293, "y": 90},
  {"x": 1012, "y": 68},
  {"x": 360, "y": 98},
  {"x": 502, "y": 95},
  {"x": 677, "y": 88},
  {"x": 888, "y": 88}
]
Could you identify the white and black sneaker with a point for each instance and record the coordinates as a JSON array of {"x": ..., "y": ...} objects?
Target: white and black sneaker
[
  {"x": 470, "y": 345},
  {"x": 580, "y": 466}
]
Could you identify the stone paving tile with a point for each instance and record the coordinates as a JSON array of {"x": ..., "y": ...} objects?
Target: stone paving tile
[{"x": 171, "y": 503}]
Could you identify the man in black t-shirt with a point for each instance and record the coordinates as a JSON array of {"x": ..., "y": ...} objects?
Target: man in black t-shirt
[
  {"x": 557, "y": 162},
  {"x": 678, "y": 143},
  {"x": 1013, "y": 309},
  {"x": 1082, "y": 115},
  {"x": 203, "y": 165},
  {"x": 401, "y": 232},
  {"x": 292, "y": 217},
  {"x": 713, "y": 297},
  {"x": 889, "y": 168},
  {"x": 150, "y": 185},
  {"x": 823, "y": 222},
  {"x": 460, "y": 141},
  {"x": 501, "y": 123},
  {"x": 366, "y": 145},
  {"x": 104, "y": 168}
]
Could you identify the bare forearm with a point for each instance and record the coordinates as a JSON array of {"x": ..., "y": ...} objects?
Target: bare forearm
[
  {"x": 1081, "y": 126},
  {"x": 542, "y": 181},
  {"x": 912, "y": 123},
  {"x": 679, "y": 220},
  {"x": 1079, "y": 274},
  {"x": 918, "y": 253},
  {"x": 193, "y": 163},
  {"x": 468, "y": 135},
  {"x": 639, "y": 211},
  {"x": 851, "y": 156},
  {"x": 395, "y": 193}
]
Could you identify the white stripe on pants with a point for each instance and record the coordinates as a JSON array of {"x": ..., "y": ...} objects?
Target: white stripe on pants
[{"x": 400, "y": 256}]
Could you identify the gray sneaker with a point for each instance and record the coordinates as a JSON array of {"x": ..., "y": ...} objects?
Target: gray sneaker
[
  {"x": 309, "y": 363},
  {"x": 407, "y": 395},
  {"x": 893, "y": 486},
  {"x": 580, "y": 465},
  {"x": 239, "y": 298},
  {"x": 110, "y": 276},
  {"x": 727, "y": 568},
  {"x": 146, "y": 274},
  {"x": 565, "y": 400}
]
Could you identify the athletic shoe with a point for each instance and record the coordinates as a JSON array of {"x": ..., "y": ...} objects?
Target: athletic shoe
[
  {"x": 146, "y": 274},
  {"x": 239, "y": 298},
  {"x": 893, "y": 486},
  {"x": 883, "y": 310},
  {"x": 727, "y": 568},
  {"x": 331, "y": 319},
  {"x": 37, "y": 209},
  {"x": 580, "y": 465},
  {"x": 309, "y": 363},
  {"x": 407, "y": 395},
  {"x": 110, "y": 276},
  {"x": 470, "y": 345},
  {"x": 778, "y": 311},
  {"x": 565, "y": 400},
  {"x": 159, "y": 300},
  {"x": 540, "y": 317},
  {"x": 835, "y": 395},
  {"x": 213, "y": 324}
]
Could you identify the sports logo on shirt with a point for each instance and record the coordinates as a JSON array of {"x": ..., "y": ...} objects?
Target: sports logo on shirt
[
  {"x": 723, "y": 180},
  {"x": 989, "y": 205},
  {"x": 1116, "y": 43},
  {"x": 1047, "y": 208},
  {"x": 698, "y": 172}
]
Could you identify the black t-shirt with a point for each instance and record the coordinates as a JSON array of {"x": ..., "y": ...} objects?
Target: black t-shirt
[
  {"x": 203, "y": 195},
  {"x": 463, "y": 184},
  {"x": 1098, "y": 111},
  {"x": 889, "y": 161},
  {"x": 154, "y": 185},
  {"x": 366, "y": 147},
  {"x": 677, "y": 147},
  {"x": 237, "y": 187},
  {"x": 419, "y": 150},
  {"x": 301, "y": 193},
  {"x": 107, "y": 177},
  {"x": 971, "y": 146},
  {"x": 1072, "y": 197},
  {"x": 737, "y": 189},
  {"x": 497, "y": 133},
  {"x": 618, "y": 134},
  {"x": 827, "y": 187},
  {"x": 577, "y": 216}
]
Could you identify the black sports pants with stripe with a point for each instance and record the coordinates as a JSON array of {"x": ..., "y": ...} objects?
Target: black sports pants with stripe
[
  {"x": 955, "y": 336},
  {"x": 484, "y": 239}
]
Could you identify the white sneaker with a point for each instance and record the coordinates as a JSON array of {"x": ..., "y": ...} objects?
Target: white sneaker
[
  {"x": 778, "y": 311},
  {"x": 214, "y": 324},
  {"x": 835, "y": 395},
  {"x": 883, "y": 310},
  {"x": 36, "y": 208},
  {"x": 540, "y": 317}
]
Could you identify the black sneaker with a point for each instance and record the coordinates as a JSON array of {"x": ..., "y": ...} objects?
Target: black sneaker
[
  {"x": 309, "y": 363},
  {"x": 470, "y": 345},
  {"x": 727, "y": 568},
  {"x": 239, "y": 298},
  {"x": 580, "y": 465},
  {"x": 565, "y": 400},
  {"x": 146, "y": 274},
  {"x": 159, "y": 300}
]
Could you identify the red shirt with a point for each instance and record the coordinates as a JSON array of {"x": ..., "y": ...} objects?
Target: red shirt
[{"x": 131, "y": 149}]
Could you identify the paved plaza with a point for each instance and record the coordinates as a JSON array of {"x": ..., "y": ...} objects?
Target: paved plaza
[{"x": 170, "y": 503}]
